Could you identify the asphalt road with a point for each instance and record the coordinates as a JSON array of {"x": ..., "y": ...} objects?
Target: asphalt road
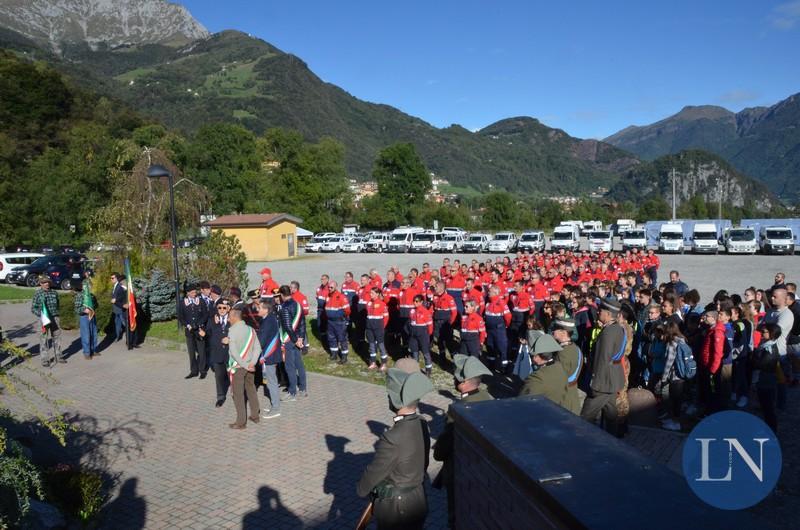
[{"x": 706, "y": 273}]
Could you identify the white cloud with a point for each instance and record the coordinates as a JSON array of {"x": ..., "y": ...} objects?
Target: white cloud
[{"x": 785, "y": 16}]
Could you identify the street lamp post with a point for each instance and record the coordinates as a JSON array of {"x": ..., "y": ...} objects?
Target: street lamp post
[{"x": 157, "y": 172}]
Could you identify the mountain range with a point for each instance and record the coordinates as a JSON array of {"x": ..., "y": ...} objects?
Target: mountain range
[
  {"x": 763, "y": 142},
  {"x": 153, "y": 56}
]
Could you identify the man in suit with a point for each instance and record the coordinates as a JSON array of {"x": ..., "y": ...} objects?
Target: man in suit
[
  {"x": 215, "y": 330},
  {"x": 193, "y": 315},
  {"x": 607, "y": 374},
  {"x": 119, "y": 304}
]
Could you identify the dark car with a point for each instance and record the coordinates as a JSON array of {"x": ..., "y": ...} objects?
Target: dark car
[{"x": 62, "y": 269}]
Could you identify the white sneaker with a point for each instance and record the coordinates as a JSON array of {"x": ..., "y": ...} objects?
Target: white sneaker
[
  {"x": 270, "y": 415},
  {"x": 671, "y": 425},
  {"x": 742, "y": 403}
]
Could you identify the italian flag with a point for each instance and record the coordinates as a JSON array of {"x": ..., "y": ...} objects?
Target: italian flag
[
  {"x": 45, "y": 317},
  {"x": 131, "y": 297}
]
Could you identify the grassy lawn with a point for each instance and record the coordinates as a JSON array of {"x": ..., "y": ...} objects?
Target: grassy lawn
[
  {"x": 317, "y": 358},
  {"x": 15, "y": 293}
]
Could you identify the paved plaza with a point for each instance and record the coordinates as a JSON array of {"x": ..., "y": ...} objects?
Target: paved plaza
[{"x": 174, "y": 463}]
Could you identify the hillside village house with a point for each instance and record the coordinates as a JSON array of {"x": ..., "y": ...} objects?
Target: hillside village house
[{"x": 263, "y": 236}]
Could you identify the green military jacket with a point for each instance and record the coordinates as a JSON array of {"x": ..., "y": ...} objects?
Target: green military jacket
[
  {"x": 550, "y": 381},
  {"x": 572, "y": 361}
]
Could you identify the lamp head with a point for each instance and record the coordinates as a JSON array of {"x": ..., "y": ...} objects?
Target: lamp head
[{"x": 157, "y": 171}]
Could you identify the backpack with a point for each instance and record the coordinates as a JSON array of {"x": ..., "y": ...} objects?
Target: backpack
[{"x": 685, "y": 366}]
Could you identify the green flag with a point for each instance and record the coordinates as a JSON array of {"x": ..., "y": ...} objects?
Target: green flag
[{"x": 88, "y": 301}]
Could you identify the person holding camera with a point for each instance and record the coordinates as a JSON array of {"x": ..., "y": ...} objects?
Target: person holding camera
[{"x": 193, "y": 315}]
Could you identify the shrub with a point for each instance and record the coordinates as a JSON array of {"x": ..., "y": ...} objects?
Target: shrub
[
  {"x": 78, "y": 492},
  {"x": 156, "y": 296},
  {"x": 219, "y": 260},
  {"x": 19, "y": 481}
]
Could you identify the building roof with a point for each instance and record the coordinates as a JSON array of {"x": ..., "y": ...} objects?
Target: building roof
[{"x": 252, "y": 219}]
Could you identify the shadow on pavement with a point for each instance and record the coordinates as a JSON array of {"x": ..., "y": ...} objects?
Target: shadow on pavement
[{"x": 271, "y": 513}]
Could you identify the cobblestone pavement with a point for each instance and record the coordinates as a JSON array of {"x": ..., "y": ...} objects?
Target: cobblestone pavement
[{"x": 175, "y": 463}]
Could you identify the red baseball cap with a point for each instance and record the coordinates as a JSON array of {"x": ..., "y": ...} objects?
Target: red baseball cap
[{"x": 266, "y": 270}]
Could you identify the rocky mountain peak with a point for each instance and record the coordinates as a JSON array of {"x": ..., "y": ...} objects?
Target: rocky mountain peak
[{"x": 111, "y": 23}]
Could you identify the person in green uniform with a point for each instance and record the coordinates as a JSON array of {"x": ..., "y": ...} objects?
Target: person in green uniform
[
  {"x": 395, "y": 476},
  {"x": 571, "y": 360},
  {"x": 468, "y": 372},
  {"x": 550, "y": 379}
]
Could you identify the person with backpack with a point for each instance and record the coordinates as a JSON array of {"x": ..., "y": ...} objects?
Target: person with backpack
[
  {"x": 679, "y": 368},
  {"x": 765, "y": 361}
]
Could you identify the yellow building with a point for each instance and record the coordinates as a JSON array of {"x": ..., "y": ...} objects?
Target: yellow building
[{"x": 264, "y": 236}]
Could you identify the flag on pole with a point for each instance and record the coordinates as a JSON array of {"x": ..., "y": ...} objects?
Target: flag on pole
[
  {"x": 88, "y": 301},
  {"x": 131, "y": 297},
  {"x": 45, "y": 316}
]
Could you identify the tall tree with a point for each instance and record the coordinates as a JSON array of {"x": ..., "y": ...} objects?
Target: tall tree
[{"x": 402, "y": 179}]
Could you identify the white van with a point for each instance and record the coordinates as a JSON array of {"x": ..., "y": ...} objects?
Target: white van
[
  {"x": 401, "y": 238},
  {"x": 454, "y": 230},
  {"x": 741, "y": 241},
  {"x": 15, "y": 259},
  {"x": 777, "y": 240},
  {"x": 567, "y": 237},
  {"x": 424, "y": 241},
  {"x": 503, "y": 242},
  {"x": 532, "y": 241},
  {"x": 705, "y": 238},
  {"x": 635, "y": 238},
  {"x": 315, "y": 245},
  {"x": 600, "y": 241},
  {"x": 476, "y": 243},
  {"x": 670, "y": 238},
  {"x": 623, "y": 225}
]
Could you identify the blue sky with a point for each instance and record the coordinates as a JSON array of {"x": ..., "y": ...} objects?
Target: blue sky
[{"x": 588, "y": 67}]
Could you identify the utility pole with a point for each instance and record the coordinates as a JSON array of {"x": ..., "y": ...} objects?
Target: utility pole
[
  {"x": 719, "y": 196},
  {"x": 673, "y": 194}
]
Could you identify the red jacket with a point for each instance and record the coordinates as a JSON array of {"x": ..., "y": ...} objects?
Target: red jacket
[
  {"x": 456, "y": 282},
  {"x": 406, "y": 298},
  {"x": 336, "y": 305},
  {"x": 363, "y": 296},
  {"x": 445, "y": 305},
  {"x": 476, "y": 295},
  {"x": 421, "y": 317},
  {"x": 302, "y": 301},
  {"x": 473, "y": 323},
  {"x": 520, "y": 302},
  {"x": 377, "y": 310},
  {"x": 538, "y": 292},
  {"x": 350, "y": 288},
  {"x": 267, "y": 287},
  {"x": 496, "y": 309},
  {"x": 713, "y": 348}
]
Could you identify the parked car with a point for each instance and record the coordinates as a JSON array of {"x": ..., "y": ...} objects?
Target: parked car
[
  {"x": 377, "y": 242},
  {"x": 476, "y": 243},
  {"x": 634, "y": 238},
  {"x": 531, "y": 241},
  {"x": 503, "y": 242},
  {"x": 424, "y": 241},
  {"x": 316, "y": 242},
  {"x": 334, "y": 244},
  {"x": 64, "y": 265},
  {"x": 15, "y": 259},
  {"x": 355, "y": 244},
  {"x": 451, "y": 242},
  {"x": 600, "y": 241}
]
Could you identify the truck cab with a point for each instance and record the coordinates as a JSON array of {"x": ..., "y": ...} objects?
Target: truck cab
[
  {"x": 741, "y": 241},
  {"x": 670, "y": 238},
  {"x": 776, "y": 240},
  {"x": 705, "y": 239},
  {"x": 634, "y": 238}
]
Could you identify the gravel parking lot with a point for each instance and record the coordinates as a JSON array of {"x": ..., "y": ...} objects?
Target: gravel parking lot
[{"x": 706, "y": 273}]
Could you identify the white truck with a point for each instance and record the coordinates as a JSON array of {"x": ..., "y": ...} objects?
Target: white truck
[
  {"x": 424, "y": 241},
  {"x": 623, "y": 225},
  {"x": 705, "y": 238},
  {"x": 635, "y": 238},
  {"x": 741, "y": 240},
  {"x": 776, "y": 240},
  {"x": 600, "y": 241},
  {"x": 567, "y": 237},
  {"x": 670, "y": 238},
  {"x": 591, "y": 226}
]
